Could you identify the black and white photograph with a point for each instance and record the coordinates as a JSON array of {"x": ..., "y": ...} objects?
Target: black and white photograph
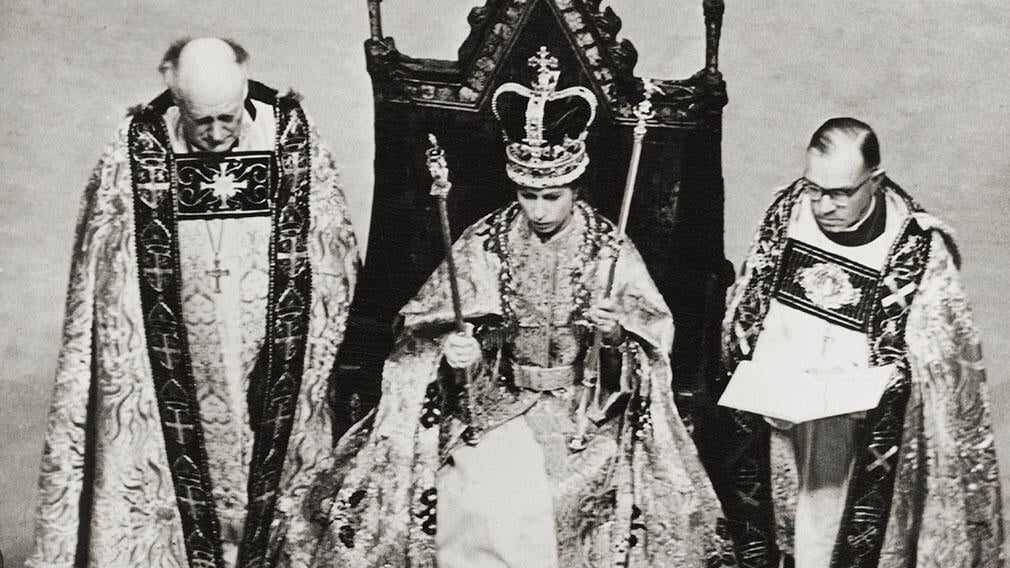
[{"x": 504, "y": 283}]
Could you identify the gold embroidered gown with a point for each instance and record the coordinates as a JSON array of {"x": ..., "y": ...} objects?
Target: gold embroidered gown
[{"x": 412, "y": 491}]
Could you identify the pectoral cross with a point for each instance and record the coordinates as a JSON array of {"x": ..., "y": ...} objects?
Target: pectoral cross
[
  {"x": 216, "y": 273},
  {"x": 827, "y": 339}
]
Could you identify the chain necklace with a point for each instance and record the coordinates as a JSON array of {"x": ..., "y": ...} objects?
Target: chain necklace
[{"x": 217, "y": 272}]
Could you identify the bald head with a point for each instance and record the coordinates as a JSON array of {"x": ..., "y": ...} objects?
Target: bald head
[
  {"x": 205, "y": 71},
  {"x": 843, "y": 158},
  {"x": 843, "y": 134},
  {"x": 208, "y": 80}
]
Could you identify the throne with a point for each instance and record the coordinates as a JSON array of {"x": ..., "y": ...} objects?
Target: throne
[{"x": 676, "y": 218}]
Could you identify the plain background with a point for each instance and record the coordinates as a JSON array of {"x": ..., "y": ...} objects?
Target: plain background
[{"x": 930, "y": 75}]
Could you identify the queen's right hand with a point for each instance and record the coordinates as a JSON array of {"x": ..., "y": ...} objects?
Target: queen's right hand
[{"x": 461, "y": 349}]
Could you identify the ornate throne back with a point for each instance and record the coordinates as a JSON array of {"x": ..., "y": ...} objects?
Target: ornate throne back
[{"x": 677, "y": 216}]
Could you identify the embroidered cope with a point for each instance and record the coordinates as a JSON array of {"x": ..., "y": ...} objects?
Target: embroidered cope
[
  {"x": 130, "y": 452},
  {"x": 915, "y": 481}
]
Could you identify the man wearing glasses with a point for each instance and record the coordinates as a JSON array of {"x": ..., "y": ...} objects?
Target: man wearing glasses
[{"x": 854, "y": 429}]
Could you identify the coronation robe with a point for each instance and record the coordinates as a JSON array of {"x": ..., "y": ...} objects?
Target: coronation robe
[
  {"x": 498, "y": 475},
  {"x": 914, "y": 482},
  {"x": 207, "y": 299}
]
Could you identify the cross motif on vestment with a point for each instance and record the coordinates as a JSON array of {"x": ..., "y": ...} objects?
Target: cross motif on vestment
[
  {"x": 193, "y": 502},
  {"x": 287, "y": 338},
  {"x": 224, "y": 186},
  {"x": 865, "y": 537},
  {"x": 899, "y": 295},
  {"x": 277, "y": 421},
  {"x": 293, "y": 167},
  {"x": 880, "y": 459},
  {"x": 151, "y": 192},
  {"x": 178, "y": 426},
  {"x": 292, "y": 253},
  {"x": 160, "y": 271},
  {"x": 166, "y": 349}
]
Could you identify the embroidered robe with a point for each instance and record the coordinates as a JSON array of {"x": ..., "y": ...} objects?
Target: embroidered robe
[
  {"x": 187, "y": 424},
  {"x": 635, "y": 495},
  {"x": 924, "y": 487}
]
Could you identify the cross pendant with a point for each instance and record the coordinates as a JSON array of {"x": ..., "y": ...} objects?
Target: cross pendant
[{"x": 216, "y": 274}]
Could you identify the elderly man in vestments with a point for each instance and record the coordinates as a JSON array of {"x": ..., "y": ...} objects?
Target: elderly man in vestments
[
  {"x": 212, "y": 271},
  {"x": 851, "y": 288},
  {"x": 525, "y": 443}
]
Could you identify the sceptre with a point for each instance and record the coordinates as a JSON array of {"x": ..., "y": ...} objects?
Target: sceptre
[
  {"x": 592, "y": 392},
  {"x": 643, "y": 112},
  {"x": 440, "y": 186}
]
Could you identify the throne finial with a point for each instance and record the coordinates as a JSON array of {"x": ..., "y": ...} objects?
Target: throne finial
[
  {"x": 375, "y": 19},
  {"x": 714, "y": 10}
]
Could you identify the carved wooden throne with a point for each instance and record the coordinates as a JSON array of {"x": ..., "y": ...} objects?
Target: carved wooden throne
[{"x": 677, "y": 215}]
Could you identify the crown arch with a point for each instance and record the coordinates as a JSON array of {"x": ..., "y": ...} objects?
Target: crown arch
[{"x": 677, "y": 216}]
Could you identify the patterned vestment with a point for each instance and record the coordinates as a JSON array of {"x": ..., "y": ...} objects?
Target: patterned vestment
[
  {"x": 139, "y": 467},
  {"x": 636, "y": 495},
  {"x": 925, "y": 488}
]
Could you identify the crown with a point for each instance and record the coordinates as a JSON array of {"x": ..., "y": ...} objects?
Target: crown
[{"x": 535, "y": 160}]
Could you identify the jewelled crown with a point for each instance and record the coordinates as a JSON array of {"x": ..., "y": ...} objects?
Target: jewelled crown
[{"x": 546, "y": 156}]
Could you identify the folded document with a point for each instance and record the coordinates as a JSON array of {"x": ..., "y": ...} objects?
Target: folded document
[{"x": 802, "y": 395}]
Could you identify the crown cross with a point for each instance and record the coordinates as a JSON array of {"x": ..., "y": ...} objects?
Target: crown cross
[
  {"x": 547, "y": 71},
  {"x": 545, "y": 63}
]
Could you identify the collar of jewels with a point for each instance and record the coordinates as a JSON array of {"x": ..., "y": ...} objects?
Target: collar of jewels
[{"x": 533, "y": 162}]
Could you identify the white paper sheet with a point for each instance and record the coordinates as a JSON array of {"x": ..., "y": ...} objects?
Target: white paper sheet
[{"x": 801, "y": 395}]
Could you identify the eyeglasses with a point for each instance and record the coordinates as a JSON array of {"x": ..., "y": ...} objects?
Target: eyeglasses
[{"x": 838, "y": 195}]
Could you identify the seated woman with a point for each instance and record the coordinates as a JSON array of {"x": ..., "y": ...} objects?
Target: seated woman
[{"x": 548, "y": 435}]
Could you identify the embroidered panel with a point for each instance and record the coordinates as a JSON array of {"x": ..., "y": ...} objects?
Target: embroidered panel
[
  {"x": 871, "y": 486},
  {"x": 288, "y": 307},
  {"x": 233, "y": 184},
  {"x": 156, "y": 232},
  {"x": 750, "y": 307},
  {"x": 826, "y": 285}
]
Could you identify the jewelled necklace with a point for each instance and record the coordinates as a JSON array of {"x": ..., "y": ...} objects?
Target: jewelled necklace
[{"x": 595, "y": 236}]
